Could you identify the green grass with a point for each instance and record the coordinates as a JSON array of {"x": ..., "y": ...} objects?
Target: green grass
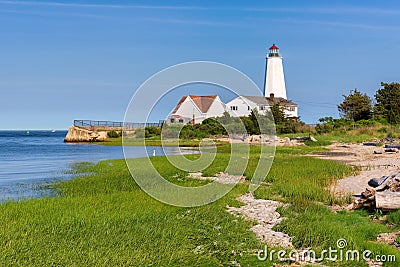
[
  {"x": 104, "y": 219},
  {"x": 357, "y": 134},
  {"x": 155, "y": 141},
  {"x": 394, "y": 218}
]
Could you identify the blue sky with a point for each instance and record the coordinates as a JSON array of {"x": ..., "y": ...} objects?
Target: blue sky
[{"x": 66, "y": 60}]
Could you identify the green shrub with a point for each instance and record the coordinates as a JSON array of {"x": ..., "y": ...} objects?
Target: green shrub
[
  {"x": 383, "y": 130},
  {"x": 152, "y": 131},
  {"x": 139, "y": 133},
  {"x": 366, "y": 123},
  {"x": 113, "y": 134}
]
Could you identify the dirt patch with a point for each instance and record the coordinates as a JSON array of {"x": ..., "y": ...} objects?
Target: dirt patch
[
  {"x": 372, "y": 161},
  {"x": 221, "y": 177}
]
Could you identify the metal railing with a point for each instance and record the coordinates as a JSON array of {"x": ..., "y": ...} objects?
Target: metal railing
[{"x": 114, "y": 124}]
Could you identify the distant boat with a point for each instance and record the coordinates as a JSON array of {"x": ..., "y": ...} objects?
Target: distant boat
[
  {"x": 27, "y": 133},
  {"x": 53, "y": 131}
]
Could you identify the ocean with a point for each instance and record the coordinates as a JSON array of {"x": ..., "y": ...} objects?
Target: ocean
[{"x": 29, "y": 161}]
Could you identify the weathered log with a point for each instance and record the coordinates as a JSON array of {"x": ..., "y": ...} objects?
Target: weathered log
[
  {"x": 384, "y": 182},
  {"x": 368, "y": 193},
  {"x": 375, "y": 182},
  {"x": 370, "y": 143},
  {"x": 392, "y": 150},
  {"x": 387, "y": 200},
  {"x": 392, "y": 146}
]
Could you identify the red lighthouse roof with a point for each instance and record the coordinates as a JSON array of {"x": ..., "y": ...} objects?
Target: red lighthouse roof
[{"x": 273, "y": 47}]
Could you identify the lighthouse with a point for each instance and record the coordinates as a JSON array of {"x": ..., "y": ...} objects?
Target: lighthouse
[{"x": 274, "y": 83}]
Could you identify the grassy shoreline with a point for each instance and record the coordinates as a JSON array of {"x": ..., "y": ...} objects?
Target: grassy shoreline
[
  {"x": 153, "y": 142},
  {"x": 351, "y": 136},
  {"x": 104, "y": 218}
]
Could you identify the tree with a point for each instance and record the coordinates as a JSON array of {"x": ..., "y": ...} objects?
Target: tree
[
  {"x": 250, "y": 122},
  {"x": 278, "y": 113},
  {"x": 356, "y": 106},
  {"x": 388, "y": 102}
]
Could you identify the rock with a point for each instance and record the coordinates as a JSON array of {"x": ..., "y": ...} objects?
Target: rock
[
  {"x": 77, "y": 134},
  {"x": 223, "y": 178},
  {"x": 264, "y": 213},
  {"x": 387, "y": 238}
]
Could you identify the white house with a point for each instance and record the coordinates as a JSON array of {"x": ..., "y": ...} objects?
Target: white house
[
  {"x": 195, "y": 109},
  {"x": 242, "y": 105}
]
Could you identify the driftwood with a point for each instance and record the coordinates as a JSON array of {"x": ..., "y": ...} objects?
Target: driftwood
[
  {"x": 370, "y": 143},
  {"x": 385, "y": 195},
  {"x": 387, "y": 200},
  {"x": 392, "y": 150},
  {"x": 392, "y": 146},
  {"x": 375, "y": 182}
]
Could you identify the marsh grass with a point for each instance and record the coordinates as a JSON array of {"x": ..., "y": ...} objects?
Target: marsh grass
[
  {"x": 104, "y": 219},
  {"x": 352, "y": 134},
  {"x": 154, "y": 141}
]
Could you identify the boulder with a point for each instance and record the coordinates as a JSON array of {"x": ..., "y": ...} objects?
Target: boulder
[{"x": 76, "y": 134}]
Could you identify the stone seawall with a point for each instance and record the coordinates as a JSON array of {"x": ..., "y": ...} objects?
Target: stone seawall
[{"x": 77, "y": 134}]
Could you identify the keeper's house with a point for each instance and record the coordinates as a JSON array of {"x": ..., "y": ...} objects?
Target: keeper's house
[
  {"x": 194, "y": 109},
  {"x": 242, "y": 105}
]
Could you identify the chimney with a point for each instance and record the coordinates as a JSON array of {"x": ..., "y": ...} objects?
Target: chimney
[{"x": 272, "y": 97}]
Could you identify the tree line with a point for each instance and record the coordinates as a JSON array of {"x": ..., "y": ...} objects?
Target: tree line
[
  {"x": 358, "y": 109},
  {"x": 385, "y": 107}
]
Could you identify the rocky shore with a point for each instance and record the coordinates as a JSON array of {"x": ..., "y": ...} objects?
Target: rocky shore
[{"x": 78, "y": 134}]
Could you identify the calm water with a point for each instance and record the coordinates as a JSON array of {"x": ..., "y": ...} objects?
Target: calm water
[{"x": 27, "y": 162}]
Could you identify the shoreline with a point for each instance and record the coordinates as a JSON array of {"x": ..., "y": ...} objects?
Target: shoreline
[{"x": 367, "y": 163}]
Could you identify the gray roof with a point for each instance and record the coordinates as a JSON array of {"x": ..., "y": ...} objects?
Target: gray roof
[{"x": 262, "y": 100}]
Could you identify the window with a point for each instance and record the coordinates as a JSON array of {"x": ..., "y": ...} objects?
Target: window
[
  {"x": 248, "y": 107},
  {"x": 172, "y": 120},
  {"x": 180, "y": 120},
  {"x": 263, "y": 107},
  {"x": 234, "y": 107}
]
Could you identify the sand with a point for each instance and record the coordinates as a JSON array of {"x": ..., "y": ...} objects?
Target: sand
[{"x": 371, "y": 165}]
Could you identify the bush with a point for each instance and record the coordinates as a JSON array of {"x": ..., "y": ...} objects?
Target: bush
[
  {"x": 212, "y": 127},
  {"x": 367, "y": 123},
  {"x": 152, "y": 131},
  {"x": 170, "y": 130},
  {"x": 383, "y": 130},
  {"x": 113, "y": 134},
  {"x": 193, "y": 132},
  {"x": 139, "y": 133}
]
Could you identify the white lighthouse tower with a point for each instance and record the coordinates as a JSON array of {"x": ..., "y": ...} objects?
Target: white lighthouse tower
[{"x": 274, "y": 83}]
